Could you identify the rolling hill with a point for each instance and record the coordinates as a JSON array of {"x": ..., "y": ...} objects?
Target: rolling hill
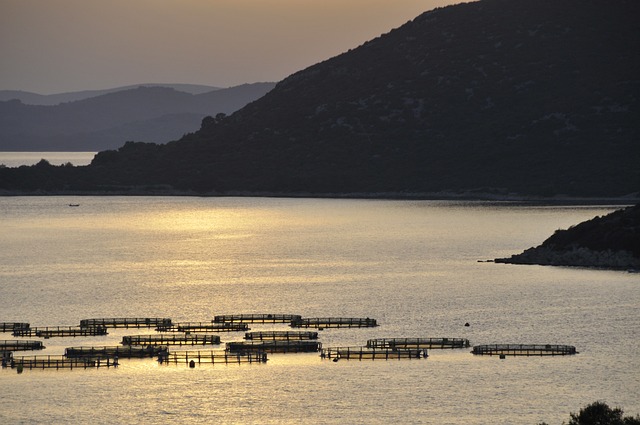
[
  {"x": 147, "y": 113},
  {"x": 494, "y": 97},
  {"x": 31, "y": 98}
]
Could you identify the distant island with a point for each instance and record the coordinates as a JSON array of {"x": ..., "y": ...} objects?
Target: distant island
[
  {"x": 493, "y": 99},
  {"x": 611, "y": 242}
]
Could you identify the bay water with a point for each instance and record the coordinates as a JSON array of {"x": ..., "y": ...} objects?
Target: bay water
[
  {"x": 16, "y": 159},
  {"x": 411, "y": 265}
]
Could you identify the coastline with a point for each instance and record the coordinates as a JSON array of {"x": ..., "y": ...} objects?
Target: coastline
[
  {"x": 626, "y": 200},
  {"x": 576, "y": 257},
  {"x": 609, "y": 242}
]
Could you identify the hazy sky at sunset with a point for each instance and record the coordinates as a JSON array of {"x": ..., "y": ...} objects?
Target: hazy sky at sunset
[{"x": 51, "y": 46}]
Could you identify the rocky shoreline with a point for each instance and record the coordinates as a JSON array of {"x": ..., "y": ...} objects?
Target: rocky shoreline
[
  {"x": 609, "y": 242},
  {"x": 575, "y": 257}
]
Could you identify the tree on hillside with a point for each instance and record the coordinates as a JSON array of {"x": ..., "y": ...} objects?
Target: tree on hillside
[{"x": 209, "y": 121}]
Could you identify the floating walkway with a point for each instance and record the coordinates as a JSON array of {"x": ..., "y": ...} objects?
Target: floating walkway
[
  {"x": 21, "y": 345},
  {"x": 275, "y": 346},
  {"x": 120, "y": 351},
  {"x": 130, "y": 322},
  {"x": 366, "y": 353},
  {"x": 11, "y": 326},
  {"x": 334, "y": 322},
  {"x": 61, "y": 331},
  {"x": 59, "y": 362},
  {"x": 503, "y": 350},
  {"x": 418, "y": 343},
  {"x": 171, "y": 339},
  {"x": 212, "y": 357},
  {"x": 204, "y": 327},
  {"x": 280, "y": 336},
  {"x": 256, "y": 318}
]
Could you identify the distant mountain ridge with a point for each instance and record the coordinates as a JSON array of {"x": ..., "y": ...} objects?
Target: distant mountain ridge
[
  {"x": 144, "y": 113},
  {"x": 30, "y": 98},
  {"x": 496, "y": 97},
  {"x": 503, "y": 96}
]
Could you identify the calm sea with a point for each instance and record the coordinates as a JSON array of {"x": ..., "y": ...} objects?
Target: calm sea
[
  {"x": 412, "y": 265},
  {"x": 16, "y": 159}
]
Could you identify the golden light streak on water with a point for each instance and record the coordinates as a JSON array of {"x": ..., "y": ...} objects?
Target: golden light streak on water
[{"x": 411, "y": 265}]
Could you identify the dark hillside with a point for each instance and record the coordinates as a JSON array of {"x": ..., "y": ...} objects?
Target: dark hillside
[
  {"x": 534, "y": 97},
  {"x": 611, "y": 241}
]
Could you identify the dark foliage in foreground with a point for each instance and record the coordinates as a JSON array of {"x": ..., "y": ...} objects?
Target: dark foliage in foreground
[
  {"x": 533, "y": 97},
  {"x": 599, "y": 413}
]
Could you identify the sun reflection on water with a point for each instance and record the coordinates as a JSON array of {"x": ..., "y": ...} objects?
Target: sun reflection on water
[{"x": 410, "y": 265}]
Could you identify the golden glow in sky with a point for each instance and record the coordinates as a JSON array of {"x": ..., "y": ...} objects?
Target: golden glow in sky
[{"x": 52, "y": 46}]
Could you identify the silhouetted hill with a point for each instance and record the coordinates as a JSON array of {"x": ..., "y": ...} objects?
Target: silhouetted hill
[
  {"x": 30, "y": 98},
  {"x": 534, "y": 97},
  {"x": 611, "y": 241},
  {"x": 107, "y": 121}
]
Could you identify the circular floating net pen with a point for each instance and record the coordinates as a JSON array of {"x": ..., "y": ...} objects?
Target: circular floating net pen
[
  {"x": 366, "y": 353},
  {"x": 418, "y": 343},
  {"x": 524, "y": 350}
]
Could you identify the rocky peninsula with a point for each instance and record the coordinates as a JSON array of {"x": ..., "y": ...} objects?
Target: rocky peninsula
[{"x": 611, "y": 241}]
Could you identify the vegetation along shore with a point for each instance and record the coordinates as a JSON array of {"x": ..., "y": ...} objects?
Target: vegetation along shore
[{"x": 611, "y": 241}]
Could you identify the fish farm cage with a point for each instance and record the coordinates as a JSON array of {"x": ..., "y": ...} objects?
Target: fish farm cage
[
  {"x": 366, "y": 353},
  {"x": 442, "y": 343},
  {"x": 524, "y": 350}
]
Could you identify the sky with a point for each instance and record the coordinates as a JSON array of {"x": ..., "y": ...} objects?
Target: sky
[{"x": 56, "y": 46}]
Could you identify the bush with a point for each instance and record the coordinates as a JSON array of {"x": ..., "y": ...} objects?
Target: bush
[{"x": 599, "y": 413}]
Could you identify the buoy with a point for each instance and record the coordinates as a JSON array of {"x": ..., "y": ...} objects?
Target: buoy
[{"x": 192, "y": 364}]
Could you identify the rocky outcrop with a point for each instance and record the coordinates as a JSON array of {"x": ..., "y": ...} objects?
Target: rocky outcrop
[
  {"x": 575, "y": 256},
  {"x": 612, "y": 242}
]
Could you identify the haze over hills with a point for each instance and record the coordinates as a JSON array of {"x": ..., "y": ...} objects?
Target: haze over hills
[
  {"x": 30, "y": 98},
  {"x": 147, "y": 113},
  {"x": 529, "y": 97}
]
